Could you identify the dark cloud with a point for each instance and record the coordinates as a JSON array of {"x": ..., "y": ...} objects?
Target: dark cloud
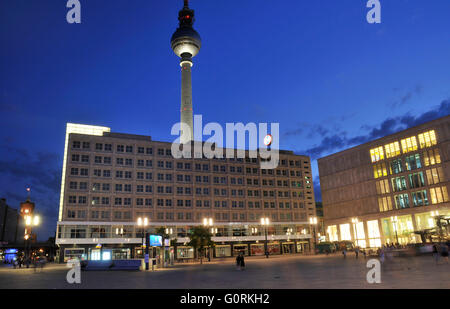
[
  {"x": 417, "y": 90},
  {"x": 309, "y": 131},
  {"x": 389, "y": 126}
]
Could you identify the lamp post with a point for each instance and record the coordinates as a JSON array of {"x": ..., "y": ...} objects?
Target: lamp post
[
  {"x": 355, "y": 222},
  {"x": 30, "y": 221},
  {"x": 435, "y": 215},
  {"x": 143, "y": 222},
  {"x": 394, "y": 220},
  {"x": 313, "y": 223},
  {"x": 265, "y": 223},
  {"x": 208, "y": 222}
]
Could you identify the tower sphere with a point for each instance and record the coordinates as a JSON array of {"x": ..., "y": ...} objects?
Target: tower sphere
[{"x": 185, "y": 39}]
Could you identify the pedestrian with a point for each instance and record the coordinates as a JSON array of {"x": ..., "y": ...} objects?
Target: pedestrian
[
  {"x": 344, "y": 252},
  {"x": 381, "y": 253},
  {"x": 435, "y": 253},
  {"x": 238, "y": 262},
  {"x": 444, "y": 252},
  {"x": 242, "y": 261},
  {"x": 356, "y": 252}
]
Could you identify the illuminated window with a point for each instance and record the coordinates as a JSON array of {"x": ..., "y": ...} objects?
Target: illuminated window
[
  {"x": 413, "y": 162},
  {"x": 396, "y": 166},
  {"x": 420, "y": 198},
  {"x": 431, "y": 157},
  {"x": 392, "y": 149},
  {"x": 345, "y": 232},
  {"x": 409, "y": 144},
  {"x": 379, "y": 170},
  {"x": 360, "y": 236},
  {"x": 435, "y": 175},
  {"x": 401, "y": 201},
  {"x": 382, "y": 186},
  {"x": 377, "y": 154},
  {"x": 332, "y": 233},
  {"x": 374, "y": 234},
  {"x": 416, "y": 180},
  {"x": 384, "y": 203},
  {"x": 399, "y": 184},
  {"x": 439, "y": 195},
  {"x": 427, "y": 139}
]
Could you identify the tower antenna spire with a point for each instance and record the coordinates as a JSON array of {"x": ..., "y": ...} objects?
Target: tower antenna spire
[{"x": 186, "y": 3}]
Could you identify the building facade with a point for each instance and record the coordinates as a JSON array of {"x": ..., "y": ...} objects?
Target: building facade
[
  {"x": 386, "y": 190},
  {"x": 112, "y": 179},
  {"x": 9, "y": 222}
]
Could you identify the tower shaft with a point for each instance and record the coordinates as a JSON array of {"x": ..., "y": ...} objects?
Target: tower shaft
[{"x": 186, "y": 102}]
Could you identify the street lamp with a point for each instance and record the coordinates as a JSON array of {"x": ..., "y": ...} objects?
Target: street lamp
[
  {"x": 143, "y": 222},
  {"x": 206, "y": 223},
  {"x": 355, "y": 222},
  {"x": 30, "y": 221},
  {"x": 265, "y": 222},
  {"x": 313, "y": 223},
  {"x": 435, "y": 215},
  {"x": 394, "y": 220}
]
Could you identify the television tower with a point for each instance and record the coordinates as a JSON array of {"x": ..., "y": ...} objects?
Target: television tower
[{"x": 186, "y": 44}]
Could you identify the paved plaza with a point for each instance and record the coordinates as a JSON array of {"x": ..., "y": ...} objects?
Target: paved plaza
[{"x": 277, "y": 272}]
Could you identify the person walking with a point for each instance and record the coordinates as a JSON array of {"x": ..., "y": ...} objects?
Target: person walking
[
  {"x": 435, "y": 253},
  {"x": 238, "y": 262},
  {"x": 344, "y": 252},
  {"x": 356, "y": 252},
  {"x": 242, "y": 261}
]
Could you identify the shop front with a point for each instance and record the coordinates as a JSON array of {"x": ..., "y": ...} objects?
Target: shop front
[
  {"x": 223, "y": 250},
  {"x": 273, "y": 248},
  {"x": 185, "y": 252},
  {"x": 238, "y": 248},
  {"x": 288, "y": 247},
  {"x": 302, "y": 247},
  {"x": 257, "y": 249}
]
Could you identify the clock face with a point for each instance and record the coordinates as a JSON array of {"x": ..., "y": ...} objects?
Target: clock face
[{"x": 268, "y": 140}]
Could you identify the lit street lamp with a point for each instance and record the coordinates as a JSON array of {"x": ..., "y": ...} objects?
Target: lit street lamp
[
  {"x": 394, "y": 224},
  {"x": 30, "y": 221},
  {"x": 313, "y": 223},
  {"x": 143, "y": 222},
  {"x": 265, "y": 223},
  {"x": 208, "y": 222},
  {"x": 355, "y": 222}
]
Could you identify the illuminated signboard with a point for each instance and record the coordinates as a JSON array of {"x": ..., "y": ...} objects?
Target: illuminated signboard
[{"x": 155, "y": 241}]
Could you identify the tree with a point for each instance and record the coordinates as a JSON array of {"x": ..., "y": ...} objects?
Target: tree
[{"x": 200, "y": 237}]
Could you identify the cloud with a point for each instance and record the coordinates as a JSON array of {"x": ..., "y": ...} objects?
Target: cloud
[
  {"x": 417, "y": 90},
  {"x": 389, "y": 126},
  {"x": 309, "y": 130}
]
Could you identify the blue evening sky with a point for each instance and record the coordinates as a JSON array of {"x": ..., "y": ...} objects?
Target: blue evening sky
[{"x": 317, "y": 67}]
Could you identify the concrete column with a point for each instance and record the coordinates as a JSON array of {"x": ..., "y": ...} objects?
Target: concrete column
[{"x": 186, "y": 101}]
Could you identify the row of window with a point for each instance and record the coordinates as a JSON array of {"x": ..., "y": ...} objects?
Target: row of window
[
  {"x": 426, "y": 139},
  {"x": 119, "y": 215},
  {"x": 148, "y": 202},
  {"x": 164, "y": 152},
  {"x": 418, "y": 198},
  {"x": 416, "y": 180},
  {"x": 412, "y": 162}
]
